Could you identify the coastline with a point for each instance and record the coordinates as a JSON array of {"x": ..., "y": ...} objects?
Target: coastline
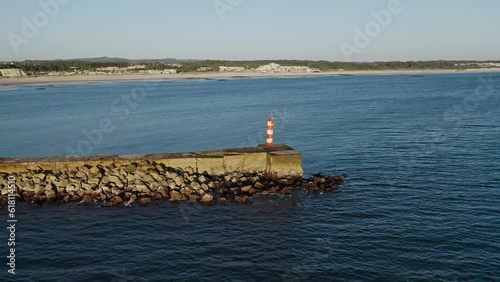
[{"x": 80, "y": 79}]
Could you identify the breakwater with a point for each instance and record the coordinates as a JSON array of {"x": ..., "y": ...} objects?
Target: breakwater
[{"x": 231, "y": 175}]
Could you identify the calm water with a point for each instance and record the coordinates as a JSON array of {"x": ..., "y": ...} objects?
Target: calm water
[{"x": 421, "y": 201}]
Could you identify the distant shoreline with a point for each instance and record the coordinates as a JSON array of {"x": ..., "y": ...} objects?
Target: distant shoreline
[{"x": 81, "y": 79}]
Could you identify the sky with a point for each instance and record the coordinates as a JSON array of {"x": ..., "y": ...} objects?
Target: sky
[{"x": 333, "y": 30}]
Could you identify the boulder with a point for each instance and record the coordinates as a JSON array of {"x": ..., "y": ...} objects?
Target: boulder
[
  {"x": 87, "y": 199},
  {"x": 94, "y": 180},
  {"x": 64, "y": 182},
  {"x": 148, "y": 178},
  {"x": 50, "y": 177},
  {"x": 170, "y": 174},
  {"x": 39, "y": 189},
  {"x": 160, "y": 168},
  {"x": 154, "y": 175},
  {"x": 130, "y": 168},
  {"x": 116, "y": 180},
  {"x": 259, "y": 185},
  {"x": 194, "y": 197},
  {"x": 246, "y": 188},
  {"x": 154, "y": 186},
  {"x": 140, "y": 173},
  {"x": 195, "y": 185},
  {"x": 285, "y": 181},
  {"x": 189, "y": 170},
  {"x": 96, "y": 194},
  {"x": 81, "y": 175},
  {"x": 94, "y": 169},
  {"x": 205, "y": 187},
  {"x": 75, "y": 198},
  {"x": 40, "y": 176},
  {"x": 144, "y": 201},
  {"x": 143, "y": 189},
  {"x": 178, "y": 180},
  {"x": 117, "y": 201},
  {"x": 175, "y": 195},
  {"x": 84, "y": 169},
  {"x": 163, "y": 192},
  {"x": 75, "y": 180},
  {"x": 131, "y": 178},
  {"x": 202, "y": 179},
  {"x": 50, "y": 194},
  {"x": 207, "y": 198},
  {"x": 80, "y": 193},
  {"x": 116, "y": 191},
  {"x": 254, "y": 179},
  {"x": 71, "y": 188}
]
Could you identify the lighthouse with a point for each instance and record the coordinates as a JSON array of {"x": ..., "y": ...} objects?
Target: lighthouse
[{"x": 270, "y": 131}]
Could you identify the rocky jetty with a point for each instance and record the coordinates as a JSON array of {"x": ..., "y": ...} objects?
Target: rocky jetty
[{"x": 147, "y": 181}]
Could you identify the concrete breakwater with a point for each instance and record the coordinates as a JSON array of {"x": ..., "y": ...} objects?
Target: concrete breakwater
[{"x": 232, "y": 175}]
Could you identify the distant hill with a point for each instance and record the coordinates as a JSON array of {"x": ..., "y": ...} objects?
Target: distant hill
[{"x": 122, "y": 60}]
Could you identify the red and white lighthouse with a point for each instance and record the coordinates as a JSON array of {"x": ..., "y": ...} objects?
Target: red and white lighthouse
[{"x": 270, "y": 131}]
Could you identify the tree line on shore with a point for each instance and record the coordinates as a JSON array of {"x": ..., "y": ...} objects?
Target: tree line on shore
[{"x": 35, "y": 67}]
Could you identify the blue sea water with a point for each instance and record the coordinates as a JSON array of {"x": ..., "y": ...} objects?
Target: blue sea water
[{"x": 420, "y": 155}]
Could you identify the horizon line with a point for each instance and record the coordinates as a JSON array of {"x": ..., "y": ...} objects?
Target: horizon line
[{"x": 251, "y": 60}]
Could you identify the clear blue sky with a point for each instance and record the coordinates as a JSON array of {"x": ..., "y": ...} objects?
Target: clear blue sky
[{"x": 254, "y": 29}]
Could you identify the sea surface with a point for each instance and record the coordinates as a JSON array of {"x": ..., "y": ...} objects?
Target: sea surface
[{"x": 420, "y": 155}]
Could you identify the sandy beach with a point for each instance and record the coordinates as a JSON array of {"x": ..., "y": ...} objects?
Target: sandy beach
[{"x": 78, "y": 79}]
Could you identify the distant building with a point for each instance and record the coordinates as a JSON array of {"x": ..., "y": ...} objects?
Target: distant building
[
  {"x": 136, "y": 67},
  {"x": 11, "y": 72},
  {"x": 170, "y": 71},
  {"x": 108, "y": 69},
  {"x": 205, "y": 68},
  {"x": 273, "y": 67},
  {"x": 485, "y": 64},
  {"x": 231, "y": 69}
]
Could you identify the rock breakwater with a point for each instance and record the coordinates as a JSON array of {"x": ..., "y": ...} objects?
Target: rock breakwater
[{"x": 147, "y": 181}]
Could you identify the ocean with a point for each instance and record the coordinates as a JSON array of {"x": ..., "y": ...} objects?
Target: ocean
[{"x": 419, "y": 154}]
